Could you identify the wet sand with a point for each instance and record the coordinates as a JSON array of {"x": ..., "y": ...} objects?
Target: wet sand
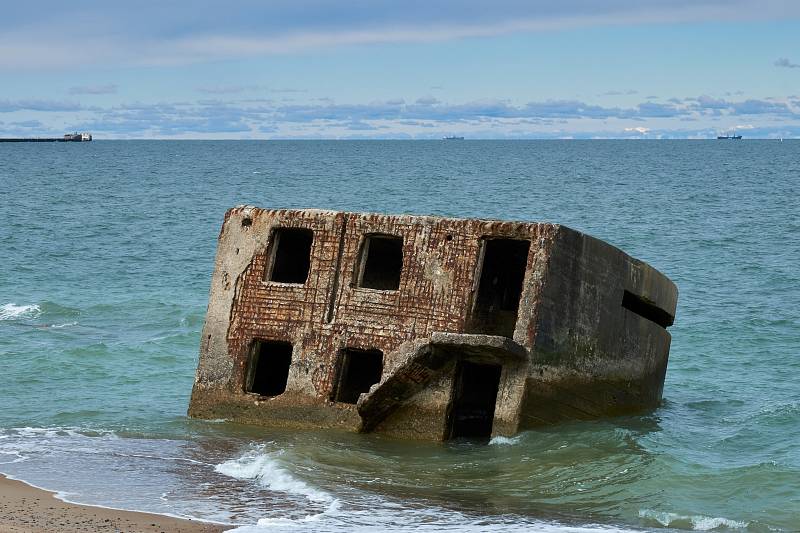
[{"x": 27, "y": 509}]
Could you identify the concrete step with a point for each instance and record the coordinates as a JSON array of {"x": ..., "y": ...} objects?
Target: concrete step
[{"x": 429, "y": 362}]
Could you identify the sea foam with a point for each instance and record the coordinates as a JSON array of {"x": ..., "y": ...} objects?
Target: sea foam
[
  {"x": 504, "y": 441},
  {"x": 387, "y": 522},
  {"x": 695, "y": 522},
  {"x": 65, "y": 325},
  {"x": 11, "y": 311}
]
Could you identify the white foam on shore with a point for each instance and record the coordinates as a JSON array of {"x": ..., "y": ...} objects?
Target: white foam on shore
[
  {"x": 22, "y": 442},
  {"x": 308, "y": 509},
  {"x": 696, "y": 522},
  {"x": 383, "y": 522},
  {"x": 311, "y": 521},
  {"x": 26, "y": 444},
  {"x": 59, "y": 431},
  {"x": 264, "y": 468},
  {"x": 64, "y": 497},
  {"x": 11, "y": 311}
]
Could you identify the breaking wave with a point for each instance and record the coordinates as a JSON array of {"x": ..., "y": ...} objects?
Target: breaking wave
[{"x": 263, "y": 467}]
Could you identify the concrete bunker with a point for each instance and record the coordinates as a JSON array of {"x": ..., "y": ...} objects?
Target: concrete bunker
[{"x": 426, "y": 327}]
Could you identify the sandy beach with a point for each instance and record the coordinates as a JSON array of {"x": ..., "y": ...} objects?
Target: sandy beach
[{"x": 27, "y": 509}]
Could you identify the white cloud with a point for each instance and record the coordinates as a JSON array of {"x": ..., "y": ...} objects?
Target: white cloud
[{"x": 158, "y": 33}]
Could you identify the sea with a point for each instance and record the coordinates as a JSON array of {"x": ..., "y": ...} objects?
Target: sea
[{"x": 106, "y": 255}]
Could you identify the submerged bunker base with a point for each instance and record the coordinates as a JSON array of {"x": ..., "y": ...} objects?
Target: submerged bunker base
[{"x": 426, "y": 327}]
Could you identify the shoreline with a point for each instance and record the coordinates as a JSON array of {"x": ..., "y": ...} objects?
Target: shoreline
[{"x": 25, "y": 508}]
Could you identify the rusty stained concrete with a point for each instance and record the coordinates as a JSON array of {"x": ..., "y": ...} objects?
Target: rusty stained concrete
[{"x": 575, "y": 352}]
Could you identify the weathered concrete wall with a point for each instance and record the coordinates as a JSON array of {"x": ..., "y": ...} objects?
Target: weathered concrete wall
[
  {"x": 571, "y": 326},
  {"x": 592, "y": 356}
]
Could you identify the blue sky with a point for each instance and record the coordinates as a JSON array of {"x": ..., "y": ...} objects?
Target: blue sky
[{"x": 411, "y": 69}]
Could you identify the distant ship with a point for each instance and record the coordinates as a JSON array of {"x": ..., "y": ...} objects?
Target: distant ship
[
  {"x": 731, "y": 136},
  {"x": 453, "y": 138}
]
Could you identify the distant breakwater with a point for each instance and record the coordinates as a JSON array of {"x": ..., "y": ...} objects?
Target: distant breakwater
[{"x": 69, "y": 137}]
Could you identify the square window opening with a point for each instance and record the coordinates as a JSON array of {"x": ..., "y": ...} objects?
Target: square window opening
[
  {"x": 290, "y": 255},
  {"x": 358, "y": 370},
  {"x": 381, "y": 262},
  {"x": 268, "y": 369}
]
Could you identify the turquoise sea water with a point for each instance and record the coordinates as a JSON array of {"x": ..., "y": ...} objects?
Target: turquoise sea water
[{"x": 107, "y": 252}]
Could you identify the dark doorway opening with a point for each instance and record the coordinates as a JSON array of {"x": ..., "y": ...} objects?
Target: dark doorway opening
[
  {"x": 381, "y": 262},
  {"x": 358, "y": 370},
  {"x": 502, "y": 273},
  {"x": 268, "y": 370},
  {"x": 474, "y": 396},
  {"x": 290, "y": 255}
]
